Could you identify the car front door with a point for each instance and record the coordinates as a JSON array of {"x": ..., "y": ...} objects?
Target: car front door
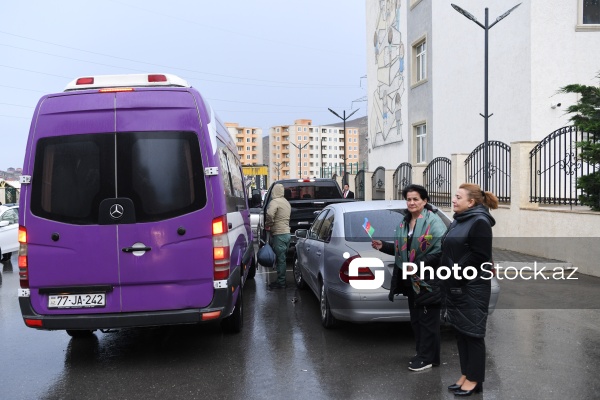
[{"x": 311, "y": 246}]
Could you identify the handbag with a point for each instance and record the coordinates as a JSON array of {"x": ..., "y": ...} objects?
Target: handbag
[{"x": 266, "y": 256}]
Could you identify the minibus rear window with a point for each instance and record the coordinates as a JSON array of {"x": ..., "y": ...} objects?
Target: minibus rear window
[{"x": 161, "y": 172}]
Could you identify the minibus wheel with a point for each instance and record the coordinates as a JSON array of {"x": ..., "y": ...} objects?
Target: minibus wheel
[
  {"x": 234, "y": 323},
  {"x": 252, "y": 270},
  {"x": 79, "y": 333}
]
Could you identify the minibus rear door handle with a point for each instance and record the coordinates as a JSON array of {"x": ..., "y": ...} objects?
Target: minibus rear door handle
[{"x": 132, "y": 249}]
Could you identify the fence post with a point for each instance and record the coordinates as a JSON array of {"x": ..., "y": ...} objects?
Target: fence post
[
  {"x": 368, "y": 185},
  {"x": 520, "y": 179},
  {"x": 417, "y": 174},
  {"x": 458, "y": 174},
  {"x": 389, "y": 184}
]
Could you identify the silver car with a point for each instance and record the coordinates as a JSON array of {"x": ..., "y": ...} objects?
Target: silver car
[{"x": 338, "y": 236}]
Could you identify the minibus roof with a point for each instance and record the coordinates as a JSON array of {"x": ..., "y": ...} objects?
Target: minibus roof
[{"x": 127, "y": 80}]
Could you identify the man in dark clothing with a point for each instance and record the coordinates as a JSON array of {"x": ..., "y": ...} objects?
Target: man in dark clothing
[{"x": 348, "y": 194}]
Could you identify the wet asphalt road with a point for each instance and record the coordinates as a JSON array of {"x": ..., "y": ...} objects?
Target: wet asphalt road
[{"x": 534, "y": 352}]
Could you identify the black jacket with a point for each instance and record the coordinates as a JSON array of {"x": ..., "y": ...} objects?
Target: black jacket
[{"x": 468, "y": 242}]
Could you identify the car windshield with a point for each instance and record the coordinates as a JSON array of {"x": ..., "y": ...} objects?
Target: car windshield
[{"x": 381, "y": 224}]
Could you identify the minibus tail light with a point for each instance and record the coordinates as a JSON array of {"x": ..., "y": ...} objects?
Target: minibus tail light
[
  {"x": 33, "y": 323},
  {"x": 85, "y": 81},
  {"x": 23, "y": 260},
  {"x": 157, "y": 78},
  {"x": 220, "y": 248}
]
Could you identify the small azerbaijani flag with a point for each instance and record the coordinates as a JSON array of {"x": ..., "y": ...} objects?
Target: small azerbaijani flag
[{"x": 367, "y": 227}]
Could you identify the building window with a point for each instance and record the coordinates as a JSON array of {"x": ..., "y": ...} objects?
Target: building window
[
  {"x": 421, "y": 143},
  {"x": 277, "y": 139},
  {"x": 420, "y": 61},
  {"x": 589, "y": 15}
]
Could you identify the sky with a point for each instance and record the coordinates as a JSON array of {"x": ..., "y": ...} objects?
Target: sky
[{"x": 259, "y": 63}]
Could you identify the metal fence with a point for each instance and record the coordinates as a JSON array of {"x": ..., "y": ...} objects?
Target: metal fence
[
  {"x": 555, "y": 167},
  {"x": 437, "y": 180},
  {"x": 359, "y": 185},
  {"x": 378, "y": 184},
  {"x": 402, "y": 178},
  {"x": 498, "y": 168},
  {"x": 338, "y": 169}
]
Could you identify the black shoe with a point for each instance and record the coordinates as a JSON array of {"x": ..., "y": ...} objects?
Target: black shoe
[
  {"x": 413, "y": 358},
  {"x": 277, "y": 285},
  {"x": 418, "y": 365},
  {"x": 478, "y": 388},
  {"x": 454, "y": 387}
]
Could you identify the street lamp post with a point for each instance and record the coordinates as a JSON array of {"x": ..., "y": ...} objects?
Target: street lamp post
[
  {"x": 344, "y": 154},
  {"x": 299, "y": 147},
  {"x": 485, "y": 114},
  {"x": 277, "y": 168}
]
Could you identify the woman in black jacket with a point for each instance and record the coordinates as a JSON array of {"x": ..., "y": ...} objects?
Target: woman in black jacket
[{"x": 468, "y": 243}]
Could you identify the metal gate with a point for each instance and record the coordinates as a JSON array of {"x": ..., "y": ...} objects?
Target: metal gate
[
  {"x": 498, "y": 168},
  {"x": 437, "y": 181},
  {"x": 402, "y": 178}
]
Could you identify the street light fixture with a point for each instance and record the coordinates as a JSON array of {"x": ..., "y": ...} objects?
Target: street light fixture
[
  {"x": 344, "y": 154},
  {"x": 299, "y": 147},
  {"x": 485, "y": 114}
]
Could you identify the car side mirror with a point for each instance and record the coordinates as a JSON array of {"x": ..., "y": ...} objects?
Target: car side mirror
[{"x": 301, "y": 233}]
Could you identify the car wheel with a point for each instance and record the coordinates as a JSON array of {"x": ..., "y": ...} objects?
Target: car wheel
[
  {"x": 79, "y": 333},
  {"x": 252, "y": 270},
  {"x": 235, "y": 322},
  {"x": 6, "y": 256},
  {"x": 327, "y": 319},
  {"x": 298, "y": 275}
]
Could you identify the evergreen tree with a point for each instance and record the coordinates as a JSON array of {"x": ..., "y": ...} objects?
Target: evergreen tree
[{"x": 587, "y": 119}]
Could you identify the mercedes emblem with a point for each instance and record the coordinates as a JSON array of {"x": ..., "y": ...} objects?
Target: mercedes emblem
[{"x": 116, "y": 211}]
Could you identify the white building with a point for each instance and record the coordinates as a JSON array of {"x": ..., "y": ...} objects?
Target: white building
[{"x": 425, "y": 67}]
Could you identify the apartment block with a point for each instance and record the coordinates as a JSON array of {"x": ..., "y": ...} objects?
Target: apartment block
[
  {"x": 249, "y": 142},
  {"x": 302, "y": 150}
]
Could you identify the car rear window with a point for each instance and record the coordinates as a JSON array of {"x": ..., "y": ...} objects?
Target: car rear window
[
  {"x": 311, "y": 190},
  {"x": 383, "y": 223},
  {"x": 161, "y": 172}
]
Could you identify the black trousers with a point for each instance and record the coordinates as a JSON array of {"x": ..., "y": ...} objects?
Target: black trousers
[
  {"x": 471, "y": 352},
  {"x": 425, "y": 322}
]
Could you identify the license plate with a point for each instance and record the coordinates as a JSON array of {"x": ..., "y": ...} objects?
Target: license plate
[{"x": 77, "y": 300}]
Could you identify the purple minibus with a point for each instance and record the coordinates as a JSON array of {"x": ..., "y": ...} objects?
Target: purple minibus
[{"x": 133, "y": 209}]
